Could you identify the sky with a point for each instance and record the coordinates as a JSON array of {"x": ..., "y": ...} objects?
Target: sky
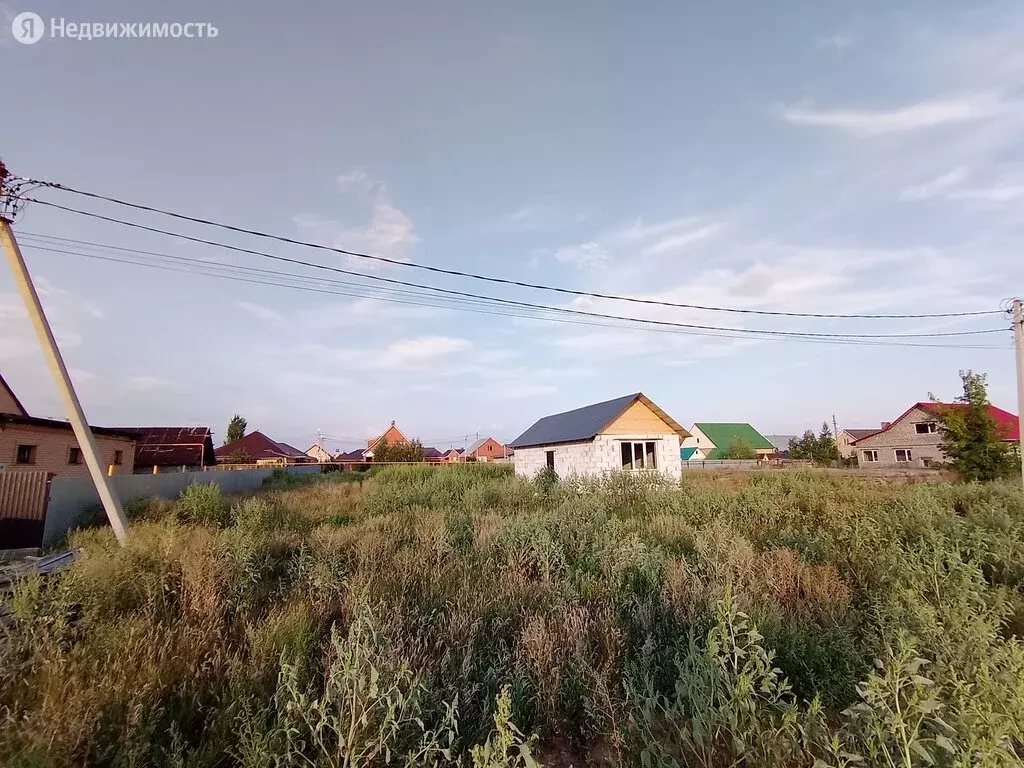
[{"x": 797, "y": 156}]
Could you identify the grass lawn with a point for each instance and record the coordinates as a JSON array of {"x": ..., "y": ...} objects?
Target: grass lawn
[{"x": 458, "y": 615}]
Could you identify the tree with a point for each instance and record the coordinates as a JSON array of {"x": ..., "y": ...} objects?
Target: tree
[
  {"x": 971, "y": 437},
  {"x": 821, "y": 448},
  {"x": 399, "y": 451},
  {"x": 238, "y": 457},
  {"x": 236, "y": 429},
  {"x": 828, "y": 451},
  {"x": 740, "y": 449}
]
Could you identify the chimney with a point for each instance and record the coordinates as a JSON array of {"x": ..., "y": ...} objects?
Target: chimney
[{"x": 886, "y": 424}]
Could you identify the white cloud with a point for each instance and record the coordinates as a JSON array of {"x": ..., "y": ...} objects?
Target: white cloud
[
  {"x": 389, "y": 231},
  {"x": 79, "y": 376},
  {"x": 354, "y": 179},
  {"x": 400, "y": 354},
  {"x": 260, "y": 312},
  {"x": 66, "y": 311},
  {"x": 936, "y": 186},
  {"x": 913, "y": 117},
  {"x": 514, "y": 390},
  {"x": 950, "y": 187},
  {"x": 774, "y": 276},
  {"x": 675, "y": 242},
  {"x": 362, "y": 312},
  {"x": 418, "y": 353},
  {"x": 144, "y": 383},
  {"x": 998, "y": 194},
  {"x": 584, "y": 256},
  {"x": 839, "y": 42},
  {"x": 638, "y": 230},
  {"x": 639, "y": 239}
]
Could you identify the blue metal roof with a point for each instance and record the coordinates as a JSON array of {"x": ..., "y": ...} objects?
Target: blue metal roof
[{"x": 580, "y": 424}]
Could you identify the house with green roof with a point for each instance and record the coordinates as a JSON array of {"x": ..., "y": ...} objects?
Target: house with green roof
[{"x": 714, "y": 439}]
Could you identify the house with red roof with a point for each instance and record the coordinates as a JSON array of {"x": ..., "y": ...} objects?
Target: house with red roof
[
  {"x": 914, "y": 438},
  {"x": 260, "y": 449}
]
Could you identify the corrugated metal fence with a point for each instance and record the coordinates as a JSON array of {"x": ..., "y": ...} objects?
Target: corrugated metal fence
[{"x": 23, "y": 500}]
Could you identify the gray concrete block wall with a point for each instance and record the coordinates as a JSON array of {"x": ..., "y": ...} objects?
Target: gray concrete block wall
[
  {"x": 600, "y": 456},
  {"x": 903, "y": 435},
  {"x": 70, "y": 497}
]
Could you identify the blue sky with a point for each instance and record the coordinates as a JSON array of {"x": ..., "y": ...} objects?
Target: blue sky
[{"x": 805, "y": 156}]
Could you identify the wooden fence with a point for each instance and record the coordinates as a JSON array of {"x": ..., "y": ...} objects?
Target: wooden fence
[{"x": 23, "y": 500}]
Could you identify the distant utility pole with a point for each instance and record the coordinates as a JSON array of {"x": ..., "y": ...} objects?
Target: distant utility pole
[
  {"x": 835, "y": 429},
  {"x": 51, "y": 352},
  {"x": 1018, "y": 343}
]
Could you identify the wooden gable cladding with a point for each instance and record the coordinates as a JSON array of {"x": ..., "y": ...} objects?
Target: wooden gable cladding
[{"x": 638, "y": 419}]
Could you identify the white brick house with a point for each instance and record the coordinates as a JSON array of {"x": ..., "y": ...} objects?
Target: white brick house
[
  {"x": 914, "y": 438},
  {"x": 628, "y": 434}
]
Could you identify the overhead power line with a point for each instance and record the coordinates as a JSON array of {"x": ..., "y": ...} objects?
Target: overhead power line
[
  {"x": 749, "y": 332},
  {"x": 491, "y": 278},
  {"x": 393, "y": 295}
]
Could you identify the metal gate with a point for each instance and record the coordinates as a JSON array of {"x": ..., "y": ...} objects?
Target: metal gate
[{"x": 23, "y": 500}]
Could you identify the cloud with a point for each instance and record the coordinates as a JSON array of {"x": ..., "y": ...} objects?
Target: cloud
[
  {"x": 389, "y": 231},
  {"x": 584, "y": 256},
  {"x": 362, "y": 312},
  {"x": 839, "y": 42},
  {"x": 949, "y": 186},
  {"x": 674, "y": 242},
  {"x": 417, "y": 353},
  {"x": 638, "y": 241},
  {"x": 924, "y": 114},
  {"x": 998, "y": 194},
  {"x": 773, "y": 276},
  {"x": 144, "y": 383},
  {"x": 400, "y": 354},
  {"x": 355, "y": 179},
  {"x": 936, "y": 186},
  {"x": 66, "y": 311},
  {"x": 79, "y": 376},
  {"x": 260, "y": 312},
  {"x": 514, "y": 390}
]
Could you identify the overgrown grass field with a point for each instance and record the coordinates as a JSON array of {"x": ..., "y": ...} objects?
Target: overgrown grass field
[{"x": 461, "y": 616}]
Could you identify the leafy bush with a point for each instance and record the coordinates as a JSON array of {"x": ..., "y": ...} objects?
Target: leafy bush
[
  {"x": 202, "y": 504},
  {"x": 260, "y": 514}
]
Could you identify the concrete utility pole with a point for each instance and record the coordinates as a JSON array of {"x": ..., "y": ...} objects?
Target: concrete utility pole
[
  {"x": 51, "y": 352},
  {"x": 1018, "y": 342}
]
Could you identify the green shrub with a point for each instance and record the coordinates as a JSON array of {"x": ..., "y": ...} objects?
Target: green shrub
[
  {"x": 202, "y": 504},
  {"x": 258, "y": 514}
]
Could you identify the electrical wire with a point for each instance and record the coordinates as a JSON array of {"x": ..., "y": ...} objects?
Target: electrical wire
[
  {"x": 491, "y": 278},
  {"x": 190, "y": 267},
  {"x": 529, "y": 305}
]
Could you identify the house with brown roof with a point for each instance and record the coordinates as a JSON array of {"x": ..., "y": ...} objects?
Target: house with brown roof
[
  {"x": 260, "y": 449},
  {"x": 914, "y": 438},
  {"x": 165, "y": 449},
  {"x": 453, "y": 455},
  {"x": 31, "y": 443}
]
